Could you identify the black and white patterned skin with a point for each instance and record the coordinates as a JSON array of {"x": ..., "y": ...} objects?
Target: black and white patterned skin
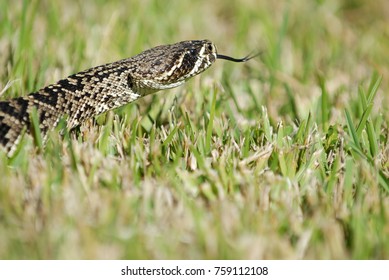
[{"x": 102, "y": 88}]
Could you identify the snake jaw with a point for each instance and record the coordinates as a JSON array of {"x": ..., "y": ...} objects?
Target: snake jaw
[{"x": 146, "y": 87}]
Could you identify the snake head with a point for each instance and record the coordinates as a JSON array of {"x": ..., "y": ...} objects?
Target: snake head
[
  {"x": 194, "y": 57},
  {"x": 169, "y": 66}
]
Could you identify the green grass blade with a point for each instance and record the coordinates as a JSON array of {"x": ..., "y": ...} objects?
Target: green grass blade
[
  {"x": 362, "y": 122},
  {"x": 325, "y": 107},
  {"x": 362, "y": 97},
  {"x": 373, "y": 88},
  {"x": 373, "y": 139},
  {"x": 210, "y": 123},
  {"x": 352, "y": 131},
  {"x": 169, "y": 138},
  {"x": 384, "y": 181},
  {"x": 104, "y": 143},
  {"x": 35, "y": 129},
  {"x": 268, "y": 129}
]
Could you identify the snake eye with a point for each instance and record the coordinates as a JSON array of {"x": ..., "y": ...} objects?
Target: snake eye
[
  {"x": 210, "y": 48},
  {"x": 192, "y": 51}
]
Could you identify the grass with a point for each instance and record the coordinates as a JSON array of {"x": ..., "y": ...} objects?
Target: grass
[{"x": 284, "y": 157}]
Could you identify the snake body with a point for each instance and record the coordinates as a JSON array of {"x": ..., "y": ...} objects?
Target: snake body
[{"x": 94, "y": 91}]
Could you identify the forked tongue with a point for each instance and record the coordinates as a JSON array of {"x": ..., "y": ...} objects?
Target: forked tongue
[{"x": 246, "y": 58}]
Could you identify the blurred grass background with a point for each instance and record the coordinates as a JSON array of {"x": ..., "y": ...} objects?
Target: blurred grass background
[{"x": 283, "y": 157}]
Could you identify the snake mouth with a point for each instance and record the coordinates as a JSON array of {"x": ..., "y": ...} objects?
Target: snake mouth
[{"x": 246, "y": 58}]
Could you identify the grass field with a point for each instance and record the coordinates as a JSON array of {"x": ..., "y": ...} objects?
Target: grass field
[{"x": 283, "y": 157}]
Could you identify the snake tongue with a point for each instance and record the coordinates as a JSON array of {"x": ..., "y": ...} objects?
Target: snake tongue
[{"x": 246, "y": 58}]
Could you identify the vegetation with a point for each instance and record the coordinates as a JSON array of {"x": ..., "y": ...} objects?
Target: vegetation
[{"x": 283, "y": 157}]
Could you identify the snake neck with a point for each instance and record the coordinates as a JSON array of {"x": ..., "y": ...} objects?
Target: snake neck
[{"x": 84, "y": 95}]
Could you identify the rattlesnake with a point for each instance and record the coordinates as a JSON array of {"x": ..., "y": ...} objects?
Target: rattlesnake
[{"x": 91, "y": 92}]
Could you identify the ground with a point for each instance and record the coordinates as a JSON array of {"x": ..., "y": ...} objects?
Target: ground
[{"x": 283, "y": 157}]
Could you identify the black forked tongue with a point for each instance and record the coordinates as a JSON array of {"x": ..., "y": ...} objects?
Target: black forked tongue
[{"x": 246, "y": 58}]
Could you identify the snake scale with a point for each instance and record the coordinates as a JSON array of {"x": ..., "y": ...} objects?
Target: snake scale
[{"x": 94, "y": 91}]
